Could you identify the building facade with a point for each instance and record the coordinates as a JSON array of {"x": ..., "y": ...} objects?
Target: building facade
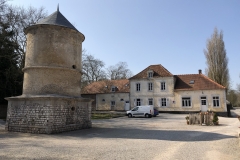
[
  {"x": 108, "y": 95},
  {"x": 156, "y": 86}
]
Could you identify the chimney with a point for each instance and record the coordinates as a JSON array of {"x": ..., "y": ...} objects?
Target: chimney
[{"x": 200, "y": 71}]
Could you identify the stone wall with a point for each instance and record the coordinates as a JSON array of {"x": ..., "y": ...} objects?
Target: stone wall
[
  {"x": 53, "y": 61},
  {"x": 104, "y": 101},
  {"x": 48, "y": 114}
]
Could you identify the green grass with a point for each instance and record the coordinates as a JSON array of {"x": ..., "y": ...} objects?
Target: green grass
[{"x": 106, "y": 115}]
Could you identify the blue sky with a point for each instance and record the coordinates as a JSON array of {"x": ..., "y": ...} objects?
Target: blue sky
[{"x": 146, "y": 32}]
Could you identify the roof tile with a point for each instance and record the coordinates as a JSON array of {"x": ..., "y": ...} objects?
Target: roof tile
[
  {"x": 57, "y": 18},
  {"x": 158, "y": 71},
  {"x": 106, "y": 86},
  {"x": 201, "y": 82}
]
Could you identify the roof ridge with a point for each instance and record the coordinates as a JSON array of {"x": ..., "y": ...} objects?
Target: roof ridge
[
  {"x": 166, "y": 69},
  {"x": 158, "y": 69}
]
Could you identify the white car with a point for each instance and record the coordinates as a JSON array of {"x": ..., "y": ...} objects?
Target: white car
[{"x": 141, "y": 111}]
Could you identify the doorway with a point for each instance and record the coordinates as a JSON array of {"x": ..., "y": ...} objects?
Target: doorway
[
  {"x": 127, "y": 106},
  {"x": 204, "y": 107}
]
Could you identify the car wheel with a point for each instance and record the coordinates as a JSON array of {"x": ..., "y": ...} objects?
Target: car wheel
[
  {"x": 129, "y": 115},
  {"x": 146, "y": 115}
]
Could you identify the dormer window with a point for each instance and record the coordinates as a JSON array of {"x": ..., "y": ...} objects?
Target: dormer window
[
  {"x": 150, "y": 74},
  {"x": 191, "y": 82},
  {"x": 113, "y": 89}
]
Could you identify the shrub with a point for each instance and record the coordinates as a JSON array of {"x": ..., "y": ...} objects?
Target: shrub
[{"x": 215, "y": 118}]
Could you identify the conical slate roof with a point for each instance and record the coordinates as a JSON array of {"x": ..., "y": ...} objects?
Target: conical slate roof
[{"x": 57, "y": 19}]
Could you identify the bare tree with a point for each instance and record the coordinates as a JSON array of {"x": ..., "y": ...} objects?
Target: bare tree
[
  {"x": 13, "y": 21},
  {"x": 3, "y": 7},
  {"x": 119, "y": 71},
  {"x": 18, "y": 19},
  {"x": 217, "y": 61},
  {"x": 92, "y": 69}
]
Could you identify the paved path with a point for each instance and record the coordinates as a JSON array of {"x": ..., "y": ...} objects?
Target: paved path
[{"x": 165, "y": 137}]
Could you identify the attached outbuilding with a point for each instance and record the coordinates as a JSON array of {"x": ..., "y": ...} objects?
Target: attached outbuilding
[{"x": 108, "y": 95}]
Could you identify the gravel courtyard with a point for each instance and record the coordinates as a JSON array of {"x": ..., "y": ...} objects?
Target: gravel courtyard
[{"x": 160, "y": 138}]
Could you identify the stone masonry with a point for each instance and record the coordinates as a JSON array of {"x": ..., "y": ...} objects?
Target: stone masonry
[
  {"x": 51, "y": 100},
  {"x": 48, "y": 114}
]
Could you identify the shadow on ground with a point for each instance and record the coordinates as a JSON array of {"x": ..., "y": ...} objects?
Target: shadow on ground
[
  {"x": 168, "y": 135},
  {"x": 126, "y": 133}
]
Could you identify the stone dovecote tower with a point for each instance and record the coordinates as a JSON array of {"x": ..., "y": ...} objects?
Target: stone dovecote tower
[{"x": 51, "y": 100}]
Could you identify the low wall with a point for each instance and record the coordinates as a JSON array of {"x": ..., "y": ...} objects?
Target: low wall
[{"x": 48, "y": 114}]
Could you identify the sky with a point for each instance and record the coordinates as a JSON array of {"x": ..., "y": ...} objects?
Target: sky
[{"x": 172, "y": 33}]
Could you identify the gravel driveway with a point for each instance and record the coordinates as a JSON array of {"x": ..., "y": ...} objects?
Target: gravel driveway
[{"x": 160, "y": 138}]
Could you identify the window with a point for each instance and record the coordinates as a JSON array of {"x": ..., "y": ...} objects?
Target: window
[
  {"x": 150, "y": 74},
  {"x": 138, "y": 102},
  {"x": 103, "y": 100},
  {"x": 203, "y": 101},
  {"x": 121, "y": 99},
  {"x": 135, "y": 109},
  {"x": 150, "y": 101},
  {"x": 191, "y": 82},
  {"x": 112, "y": 105},
  {"x": 215, "y": 101},
  {"x": 150, "y": 86},
  {"x": 163, "y": 86},
  {"x": 164, "y": 102},
  {"x": 113, "y": 88},
  {"x": 138, "y": 87},
  {"x": 186, "y": 102}
]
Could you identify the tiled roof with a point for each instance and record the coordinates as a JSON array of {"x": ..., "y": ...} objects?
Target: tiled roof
[
  {"x": 122, "y": 86},
  {"x": 198, "y": 82},
  {"x": 158, "y": 71},
  {"x": 57, "y": 19}
]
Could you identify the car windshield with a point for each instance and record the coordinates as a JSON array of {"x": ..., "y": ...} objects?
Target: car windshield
[{"x": 135, "y": 109}]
